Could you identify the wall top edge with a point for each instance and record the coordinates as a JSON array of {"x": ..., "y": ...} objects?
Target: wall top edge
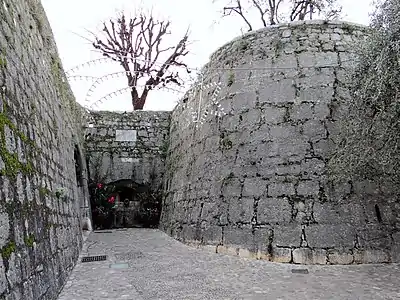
[
  {"x": 293, "y": 25},
  {"x": 126, "y": 113}
]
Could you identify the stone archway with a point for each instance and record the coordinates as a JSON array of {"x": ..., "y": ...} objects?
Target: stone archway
[{"x": 135, "y": 205}]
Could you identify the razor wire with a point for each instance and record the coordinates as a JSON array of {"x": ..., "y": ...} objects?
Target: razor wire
[{"x": 197, "y": 111}]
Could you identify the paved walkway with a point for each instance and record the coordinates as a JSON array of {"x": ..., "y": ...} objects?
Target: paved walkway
[{"x": 158, "y": 267}]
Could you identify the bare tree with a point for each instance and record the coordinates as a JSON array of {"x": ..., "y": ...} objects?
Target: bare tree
[
  {"x": 270, "y": 11},
  {"x": 136, "y": 44},
  {"x": 303, "y": 9}
]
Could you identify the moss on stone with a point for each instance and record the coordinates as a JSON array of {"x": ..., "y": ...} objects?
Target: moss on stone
[
  {"x": 29, "y": 240},
  {"x": 8, "y": 249},
  {"x": 231, "y": 78},
  {"x": 3, "y": 61},
  {"x": 11, "y": 161},
  {"x": 43, "y": 192}
]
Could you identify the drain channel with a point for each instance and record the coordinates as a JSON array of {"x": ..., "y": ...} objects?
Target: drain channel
[
  {"x": 94, "y": 258},
  {"x": 300, "y": 271}
]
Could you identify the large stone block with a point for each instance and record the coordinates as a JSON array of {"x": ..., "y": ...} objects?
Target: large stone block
[
  {"x": 239, "y": 238},
  {"x": 307, "y": 256},
  {"x": 328, "y": 236},
  {"x": 287, "y": 236},
  {"x": 273, "y": 210},
  {"x": 254, "y": 187},
  {"x": 340, "y": 256},
  {"x": 281, "y": 255},
  {"x": 282, "y": 91},
  {"x": 241, "y": 210},
  {"x": 212, "y": 235},
  {"x": 371, "y": 256},
  {"x": 281, "y": 189}
]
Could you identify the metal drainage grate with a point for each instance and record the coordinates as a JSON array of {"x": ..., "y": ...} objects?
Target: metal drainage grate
[
  {"x": 300, "y": 271},
  {"x": 94, "y": 258},
  {"x": 102, "y": 231}
]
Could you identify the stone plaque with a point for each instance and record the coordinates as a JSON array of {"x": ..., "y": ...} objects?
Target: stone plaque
[
  {"x": 129, "y": 159},
  {"x": 125, "y": 135}
]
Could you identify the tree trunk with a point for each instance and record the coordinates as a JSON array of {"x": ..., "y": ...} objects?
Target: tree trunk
[{"x": 138, "y": 102}]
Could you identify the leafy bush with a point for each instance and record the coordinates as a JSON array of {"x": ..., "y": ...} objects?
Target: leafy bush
[{"x": 370, "y": 131}]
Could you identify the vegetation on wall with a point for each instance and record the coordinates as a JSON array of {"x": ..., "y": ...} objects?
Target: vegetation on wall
[{"x": 368, "y": 146}]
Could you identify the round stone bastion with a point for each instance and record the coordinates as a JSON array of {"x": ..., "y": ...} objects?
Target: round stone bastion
[{"x": 246, "y": 167}]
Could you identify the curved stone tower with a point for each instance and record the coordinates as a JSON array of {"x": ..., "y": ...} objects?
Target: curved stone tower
[{"x": 253, "y": 181}]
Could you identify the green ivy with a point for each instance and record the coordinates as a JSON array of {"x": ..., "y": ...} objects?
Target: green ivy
[
  {"x": 8, "y": 249},
  {"x": 29, "y": 240}
]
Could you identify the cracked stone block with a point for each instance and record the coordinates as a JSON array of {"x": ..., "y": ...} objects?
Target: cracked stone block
[
  {"x": 241, "y": 210},
  {"x": 273, "y": 210},
  {"x": 316, "y": 95},
  {"x": 340, "y": 257},
  {"x": 244, "y": 101},
  {"x": 274, "y": 115},
  {"x": 286, "y": 62},
  {"x": 232, "y": 188},
  {"x": 326, "y": 59},
  {"x": 302, "y": 111},
  {"x": 281, "y": 189},
  {"x": 314, "y": 130},
  {"x": 239, "y": 238},
  {"x": 330, "y": 235},
  {"x": 212, "y": 235},
  {"x": 287, "y": 236},
  {"x": 371, "y": 256},
  {"x": 372, "y": 236},
  {"x": 250, "y": 119},
  {"x": 281, "y": 255},
  {"x": 307, "y": 256},
  {"x": 283, "y": 132},
  {"x": 254, "y": 187},
  {"x": 278, "y": 92},
  {"x": 308, "y": 188}
]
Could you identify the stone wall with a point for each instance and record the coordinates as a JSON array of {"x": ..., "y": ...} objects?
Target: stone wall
[
  {"x": 253, "y": 181},
  {"x": 128, "y": 148},
  {"x": 40, "y": 127}
]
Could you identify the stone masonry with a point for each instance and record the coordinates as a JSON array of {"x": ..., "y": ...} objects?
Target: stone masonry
[
  {"x": 128, "y": 149},
  {"x": 41, "y": 143},
  {"x": 254, "y": 182},
  {"x": 130, "y": 145}
]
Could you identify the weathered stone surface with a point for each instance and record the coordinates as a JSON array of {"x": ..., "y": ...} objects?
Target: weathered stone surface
[
  {"x": 43, "y": 175},
  {"x": 339, "y": 235},
  {"x": 309, "y": 256},
  {"x": 281, "y": 255},
  {"x": 340, "y": 257},
  {"x": 128, "y": 145},
  {"x": 263, "y": 163}
]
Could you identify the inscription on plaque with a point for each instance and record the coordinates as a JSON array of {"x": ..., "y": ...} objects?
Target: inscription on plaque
[{"x": 125, "y": 135}]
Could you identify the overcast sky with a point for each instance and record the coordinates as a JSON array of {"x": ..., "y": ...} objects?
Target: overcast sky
[{"x": 70, "y": 20}]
